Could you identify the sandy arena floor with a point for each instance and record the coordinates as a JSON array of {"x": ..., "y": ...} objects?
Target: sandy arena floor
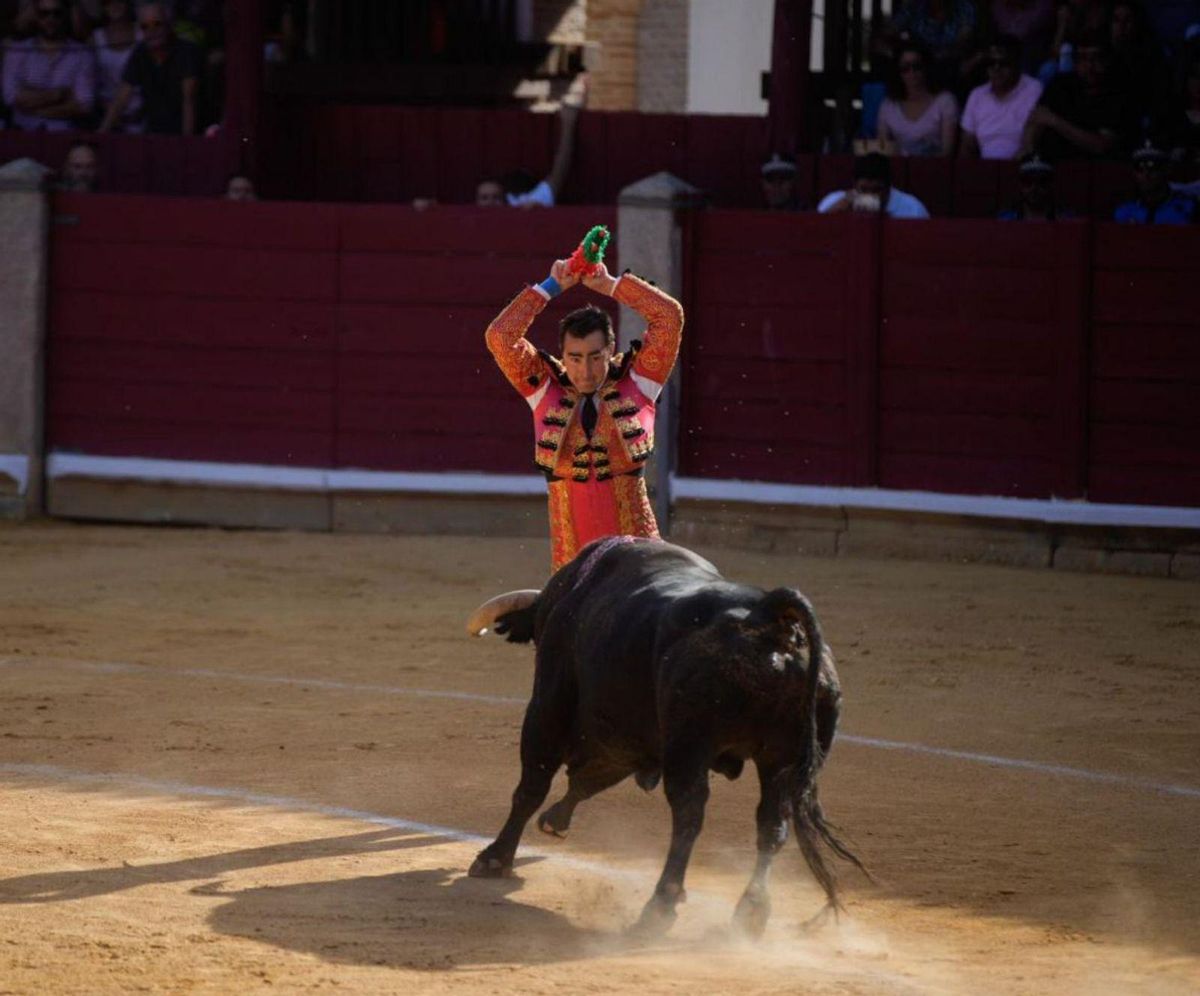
[{"x": 221, "y": 770}]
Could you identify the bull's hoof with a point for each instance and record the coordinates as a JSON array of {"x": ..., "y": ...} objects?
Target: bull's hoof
[
  {"x": 657, "y": 917},
  {"x": 550, "y": 822},
  {"x": 486, "y": 866},
  {"x": 752, "y": 913}
]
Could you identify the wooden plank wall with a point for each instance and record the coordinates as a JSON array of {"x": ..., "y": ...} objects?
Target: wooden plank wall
[
  {"x": 383, "y": 154},
  {"x": 975, "y": 362},
  {"x": 340, "y": 152},
  {"x": 140, "y": 164},
  {"x": 954, "y": 355},
  {"x": 306, "y": 335},
  {"x": 766, "y": 352},
  {"x": 1144, "y": 383}
]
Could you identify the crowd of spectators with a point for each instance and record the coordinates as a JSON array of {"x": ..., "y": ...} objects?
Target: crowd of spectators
[
  {"x": 111, "y": 65},
  {"x": 1086, "y": 79}
]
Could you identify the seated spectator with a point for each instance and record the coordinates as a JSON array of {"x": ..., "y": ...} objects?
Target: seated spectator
[
  {"x": 917, "y": 118},
  {"x": 993, "y": 121},
  {"x": 1031, "y": 22},
  {"x": 49, "y": 80},
  {"x": 239, "y": 187},
  {"x": 1076, "y": 20},
  {"x": 166, "y": 71},
  {"x": 1085, "y": 113},
  {"x": 779, "y": 184},
  {"x": 1138, "y": 60},
  {"x": 78, "y": 173},
  {"x": 80, "y": 17},
  {"x": 873, "y": 191},
  {"x": 113, "y": 42},
  {"x": 1035, "y": 200},
  {"x": 1156, "y": 203},
  {"x": 202, "y": 22},
  {"x": 520, "y": 188},
  {"x": 944, "y": 27}
]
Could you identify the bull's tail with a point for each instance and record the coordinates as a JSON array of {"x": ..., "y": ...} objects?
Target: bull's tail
[
  {"x": 510, "y": 615},
  {"x": 813, "y": 833}
]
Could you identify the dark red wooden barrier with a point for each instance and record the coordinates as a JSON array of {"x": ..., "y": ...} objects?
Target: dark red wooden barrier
[
  {"x": 956, "y": 356},
  {"x": 953, "y": 356},
  {"x": 981, "y": 339},
  {"x": 142, "y": 164},
  {"x": 310, "y": 335},
  {"x": 1144, "y": 417},
  {"x": 338, "y": 152},
  {"x": 355, "y": 153},
  {"x": 768, "y": 369}
]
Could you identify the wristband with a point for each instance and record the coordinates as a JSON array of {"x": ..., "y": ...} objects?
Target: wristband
[{"x": 551, "y": 287}]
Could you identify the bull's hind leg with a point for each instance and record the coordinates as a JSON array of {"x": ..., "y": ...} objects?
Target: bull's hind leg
[
  {"x": 754, "y": 908},
  {"x": 543, "y": 747},
  {"x": 685, "y": 779},
  {"x": 589, "y": 779}
]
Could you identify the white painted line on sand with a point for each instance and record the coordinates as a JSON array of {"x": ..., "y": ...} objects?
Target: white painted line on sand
[{"x": 993, "y": 760}]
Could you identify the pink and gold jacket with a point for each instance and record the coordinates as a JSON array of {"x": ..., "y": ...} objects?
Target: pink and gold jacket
[{"x": 623, "y": 437}]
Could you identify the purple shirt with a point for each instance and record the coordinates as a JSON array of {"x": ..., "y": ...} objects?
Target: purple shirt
[
  {"x": 71, "y": 65},
  {"x": 998, "y": 123}
]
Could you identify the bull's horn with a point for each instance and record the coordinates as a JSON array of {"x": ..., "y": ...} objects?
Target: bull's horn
[{"x": 483, "y": 617}]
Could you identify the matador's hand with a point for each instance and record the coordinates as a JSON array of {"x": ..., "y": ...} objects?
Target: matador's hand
[
  {"x": 601, "y": 281},
  {"x": 560, "y": 272}
]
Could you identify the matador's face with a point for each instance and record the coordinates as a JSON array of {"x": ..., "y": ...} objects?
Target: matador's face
[{"x": 586, "y": 360}]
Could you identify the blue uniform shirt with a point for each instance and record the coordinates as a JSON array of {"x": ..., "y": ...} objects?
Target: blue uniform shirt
[{"x": 1178, "y": 209}]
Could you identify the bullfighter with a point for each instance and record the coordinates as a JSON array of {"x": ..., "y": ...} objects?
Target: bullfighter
[{"x": 593, "y": 409}]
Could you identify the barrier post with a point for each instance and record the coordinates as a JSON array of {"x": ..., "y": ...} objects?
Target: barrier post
[
  {"x": 24, "y": 233},
  {"x": 650, "y": 243}
]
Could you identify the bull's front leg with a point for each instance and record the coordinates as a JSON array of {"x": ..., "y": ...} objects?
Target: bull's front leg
[
  {"x": 542, "y": 749},
  {"x": 754, "y": 908},
  {"x": 685, "y": 780}
]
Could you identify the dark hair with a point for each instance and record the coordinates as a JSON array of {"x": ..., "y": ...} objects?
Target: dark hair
[
  {"x": 583, "y": 322},
  {"x": 1010, "y": 44},
  {"x": 873, "y": 166},
  {"x": 895, "y": 82}
]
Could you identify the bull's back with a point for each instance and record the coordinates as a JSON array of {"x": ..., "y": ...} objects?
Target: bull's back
[{"x": 607, "y": 630}]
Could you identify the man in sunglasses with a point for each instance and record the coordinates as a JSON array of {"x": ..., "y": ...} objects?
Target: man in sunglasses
[
  {"x": 166, "y": 70},
  {"x": 50, "y": 79},
  {"x": 1156, "y": 203},
  {"x": 993, "y": 121}
]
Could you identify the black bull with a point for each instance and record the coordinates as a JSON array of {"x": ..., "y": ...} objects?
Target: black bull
[{"x": 650, "y": 663}]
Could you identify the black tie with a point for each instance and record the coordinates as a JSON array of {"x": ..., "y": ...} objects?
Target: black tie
[{"x": 587, "y": 417}]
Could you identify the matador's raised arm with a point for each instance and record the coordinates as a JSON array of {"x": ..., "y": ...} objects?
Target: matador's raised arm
[
  {"x": 664, "y": 330},
  {"x": 518, "y": 358}
]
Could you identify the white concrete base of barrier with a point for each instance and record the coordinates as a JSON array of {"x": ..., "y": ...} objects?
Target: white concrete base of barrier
[{"x": 1128, "y": 539}]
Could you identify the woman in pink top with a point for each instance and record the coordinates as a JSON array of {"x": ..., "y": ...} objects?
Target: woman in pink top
[{"x": 916, "y": 117}]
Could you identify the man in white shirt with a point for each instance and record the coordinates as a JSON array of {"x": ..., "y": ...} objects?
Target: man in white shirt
[
  {"x": 993, "y": 122},
  {"x": 873, "y": 191}
]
